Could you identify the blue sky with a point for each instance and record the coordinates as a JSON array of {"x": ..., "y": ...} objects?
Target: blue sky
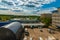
[
  {"x": 53, "y": 4},
  {"x": 30, "y": 6}
]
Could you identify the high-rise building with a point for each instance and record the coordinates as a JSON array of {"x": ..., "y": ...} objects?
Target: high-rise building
[
  {"x": 56, "y": 18},
  {"x": 59, "y": 10}
]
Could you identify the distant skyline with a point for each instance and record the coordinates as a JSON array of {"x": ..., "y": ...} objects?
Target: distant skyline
[{"x": 30, "y": 6}]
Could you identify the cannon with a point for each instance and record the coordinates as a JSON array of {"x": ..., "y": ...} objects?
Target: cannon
[{"x": 12, "y": 31}]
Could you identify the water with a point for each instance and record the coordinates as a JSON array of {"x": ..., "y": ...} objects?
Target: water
[
  {"x": 3, "y": 23},
  {"x": 21, "y": 21},
  {"x": 7, "y": 22}
]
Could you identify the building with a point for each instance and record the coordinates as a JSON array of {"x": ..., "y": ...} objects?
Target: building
[
  {"x": 56, "y": 18},
  {"x": 28, "y": 22},
  {"x": 49, "y": 15},
  {"x": 59, "y": 9},
  {"x": 45, "y": 17}
]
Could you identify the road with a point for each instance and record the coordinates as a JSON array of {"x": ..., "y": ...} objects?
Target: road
[{"x": 35, "y": 34}]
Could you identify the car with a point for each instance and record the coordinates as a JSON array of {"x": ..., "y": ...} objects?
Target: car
[
  {"x": 41, "y": 30},
  {"x": 27, "y": 33}
]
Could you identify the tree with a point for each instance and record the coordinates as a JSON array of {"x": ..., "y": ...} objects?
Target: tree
[{"x": 46, "y": 20}]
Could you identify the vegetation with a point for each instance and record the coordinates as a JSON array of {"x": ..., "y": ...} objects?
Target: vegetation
[
  {"x": 46, "y": 20},
  {"x": 8, "y": 17}
]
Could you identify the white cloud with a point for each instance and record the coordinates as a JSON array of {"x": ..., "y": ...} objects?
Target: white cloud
[
  {"x": 0, "y": 0},
  {"x": 36, "y": 3},
  {"x": 21, "y": 5},
  {"x": 48, "y": 1},
  {"x": 3, "y": 6},
  {"x": 7, "y": 0},
  {"x": 48, "y": 10},
  {"x": 18, "y": 0}
]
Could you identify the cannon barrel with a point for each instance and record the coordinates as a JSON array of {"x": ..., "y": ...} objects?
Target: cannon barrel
[{"x": 11, "y": 31}]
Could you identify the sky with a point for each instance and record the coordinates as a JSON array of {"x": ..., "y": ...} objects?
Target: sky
[{"x": 29, "y": 6}]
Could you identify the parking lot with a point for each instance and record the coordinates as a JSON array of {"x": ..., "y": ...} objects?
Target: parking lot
[{"x": 37, "y": 34}]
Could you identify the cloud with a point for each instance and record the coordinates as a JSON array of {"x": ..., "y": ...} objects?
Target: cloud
[
  {"x": 0, "y": 0},
  {"x": 24, "y": 6},
  {"x": 4, "y": 7},
  {"x": 27, "y": 3},
  {"x": 47, "y": 10},
  {"x": 48, "y": 1},
  {"x": 36, "y": 3}
]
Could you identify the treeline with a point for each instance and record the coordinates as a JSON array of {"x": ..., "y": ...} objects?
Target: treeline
[{"x": 8, "y": 17}]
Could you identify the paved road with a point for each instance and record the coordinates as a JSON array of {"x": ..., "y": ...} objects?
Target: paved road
[{"x": 36, "y": 34}]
